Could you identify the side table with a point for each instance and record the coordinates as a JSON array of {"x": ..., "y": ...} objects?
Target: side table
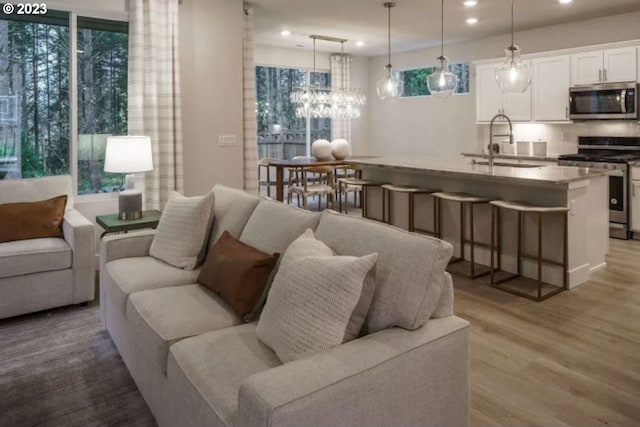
[{"x": 113, "y": 224}]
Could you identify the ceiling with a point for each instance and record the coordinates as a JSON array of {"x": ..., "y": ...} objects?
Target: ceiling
[{"x": 415, "y": 23}]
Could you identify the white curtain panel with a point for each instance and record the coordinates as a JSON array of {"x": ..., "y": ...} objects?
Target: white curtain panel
[
  {"x": 341, "y": 77},
  {"x": 154, "y": 93},
  {"x": 249, "y": 101}
]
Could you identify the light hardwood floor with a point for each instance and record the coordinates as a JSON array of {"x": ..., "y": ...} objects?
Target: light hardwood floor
[{"x": 573, "y": 360}]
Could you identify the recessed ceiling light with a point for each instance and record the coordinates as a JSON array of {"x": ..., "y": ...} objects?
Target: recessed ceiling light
[
  {"x": 472, "y": 21},
  {"x": 565, "y": 1},
  {"x": 470, "y": 3},
  {"x": 359, "y": 43},
  {"x": 285, "y": 33}
]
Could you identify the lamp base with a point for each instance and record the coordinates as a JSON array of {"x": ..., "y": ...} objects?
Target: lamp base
[{"x": 130, "y": 204}]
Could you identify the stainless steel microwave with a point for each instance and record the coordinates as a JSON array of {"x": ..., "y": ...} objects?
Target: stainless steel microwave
[{"x": 611, "y": 101}]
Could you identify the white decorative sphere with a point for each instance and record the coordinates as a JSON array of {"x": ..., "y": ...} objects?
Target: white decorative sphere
[
  {"x": 321, "y": 149},
  {"x": 340, "y": 149}
]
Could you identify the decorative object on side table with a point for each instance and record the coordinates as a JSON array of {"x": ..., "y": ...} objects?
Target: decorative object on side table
[
  {"x": 321, "y": 149},
  {"x": 113, "y": 224},
  {"x": 129, "y": 154},
  {"x": 340, "y": 149}
]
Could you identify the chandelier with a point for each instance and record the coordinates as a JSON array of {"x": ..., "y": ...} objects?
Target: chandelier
[{"x": 317, "y": 101}]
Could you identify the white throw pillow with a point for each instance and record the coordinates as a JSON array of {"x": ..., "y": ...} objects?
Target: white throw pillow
[
  {"x": 182, "y": 231},
  {"x": 312, "y": 298}
]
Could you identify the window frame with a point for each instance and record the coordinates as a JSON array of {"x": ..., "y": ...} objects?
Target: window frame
[
  {"x": 90, "y": 16},
  {"x": 420, "y": 67}
]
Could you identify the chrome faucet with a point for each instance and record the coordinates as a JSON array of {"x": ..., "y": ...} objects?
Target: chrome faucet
[{"x": 491, "y": 135}]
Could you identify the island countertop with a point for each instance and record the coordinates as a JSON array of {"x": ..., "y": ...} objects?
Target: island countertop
[{"x": 540, "y": 175}]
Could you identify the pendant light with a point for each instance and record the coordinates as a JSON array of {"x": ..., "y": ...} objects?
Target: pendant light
[
  {"x": 513, "y": 76},
  {"x": 319, "y": 101},
  {"x": 390, "y": 86},
  {"x": 442, "y": 82}
]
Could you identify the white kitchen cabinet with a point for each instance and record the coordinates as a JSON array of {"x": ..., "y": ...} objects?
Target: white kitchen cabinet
[
  {"x": 604, "y": 66},
  {"x": 490, "y": 100},
  {"x": 551, "y": 81}
]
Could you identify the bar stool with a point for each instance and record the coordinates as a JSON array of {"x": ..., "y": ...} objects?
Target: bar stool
[
  {"x": 475, "y": 270},
  {"x": 521, "y": 209},
  {"x": 388, "y": 191}
]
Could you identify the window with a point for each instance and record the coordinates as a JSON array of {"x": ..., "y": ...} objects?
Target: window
[
  {"x": 34, "y": 87},
  {"x": 102, "y": 99},
  {"x": 280, "y": 133},
  {"x": 415, "y": 81},
  {"x": 35, "y": 112}
]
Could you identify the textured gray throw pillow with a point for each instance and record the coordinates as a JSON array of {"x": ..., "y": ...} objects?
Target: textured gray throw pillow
[
  {"x": 182, "y": 231},
  {"x": 312, "y": 299}
]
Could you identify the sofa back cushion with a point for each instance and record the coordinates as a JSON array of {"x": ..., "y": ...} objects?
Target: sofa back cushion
[
  {"x": 232, "y": 211},
  {"x": 32, "y": 220},
  {"x": 274, "y": 225},
  {"x": 410, "y": 268},
  {"x": 34, "y": 189}
]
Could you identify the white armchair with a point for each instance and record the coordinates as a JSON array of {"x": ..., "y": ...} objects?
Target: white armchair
[{"x": 39, "y": 274}]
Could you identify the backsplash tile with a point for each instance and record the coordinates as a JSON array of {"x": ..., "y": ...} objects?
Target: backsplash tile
[{"x": 563, "y": 138}]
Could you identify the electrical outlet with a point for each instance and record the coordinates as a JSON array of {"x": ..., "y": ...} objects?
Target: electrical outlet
[{"x": 227, "y": 141}]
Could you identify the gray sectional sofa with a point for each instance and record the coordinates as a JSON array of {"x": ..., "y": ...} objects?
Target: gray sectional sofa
[{"x": 197, "y": 364}]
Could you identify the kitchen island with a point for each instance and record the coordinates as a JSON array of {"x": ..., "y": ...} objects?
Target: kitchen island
[{"x": 583, "y": 190}]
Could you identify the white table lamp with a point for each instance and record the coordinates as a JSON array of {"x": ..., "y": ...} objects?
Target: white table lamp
[{"x": 129, "y": 154}]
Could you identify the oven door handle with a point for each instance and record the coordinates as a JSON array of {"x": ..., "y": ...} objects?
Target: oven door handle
[{"x": 623, "y": 101}]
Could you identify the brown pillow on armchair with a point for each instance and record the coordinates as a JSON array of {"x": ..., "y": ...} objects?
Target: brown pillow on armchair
[
  {"x": 237, "y": 272},
  {"x": 32, "y": 220}
]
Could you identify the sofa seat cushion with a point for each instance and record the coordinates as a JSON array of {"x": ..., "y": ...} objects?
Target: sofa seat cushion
[
  {"x": 205, "y": 373},
  {"x": 130, "y": 275},
  {"x": 34, "y": 256},
  {"x": 161, "y": 317}
]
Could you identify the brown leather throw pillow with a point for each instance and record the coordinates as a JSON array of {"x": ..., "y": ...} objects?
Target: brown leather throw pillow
[
  {"x": 32, "y": 220},
  {"x": 237, "y": 272}
]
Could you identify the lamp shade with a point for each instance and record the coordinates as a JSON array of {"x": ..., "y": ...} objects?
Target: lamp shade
[{"x": 128, "y": 154}]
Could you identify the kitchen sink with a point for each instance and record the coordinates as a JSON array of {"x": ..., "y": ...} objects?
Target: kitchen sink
[{"x": 509, "y": 165}]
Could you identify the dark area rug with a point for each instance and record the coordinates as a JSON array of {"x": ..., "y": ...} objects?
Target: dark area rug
[{"x": 60, "y": 368}]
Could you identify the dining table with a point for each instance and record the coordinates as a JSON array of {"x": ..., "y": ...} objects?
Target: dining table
[{"x": 281, "y": 165}]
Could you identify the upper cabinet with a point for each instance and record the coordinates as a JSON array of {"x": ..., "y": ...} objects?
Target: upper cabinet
[
  {"x": 491, "y": 101},
  {"x": 604, "y": 66},
  {"x": 551, "y": 88}
]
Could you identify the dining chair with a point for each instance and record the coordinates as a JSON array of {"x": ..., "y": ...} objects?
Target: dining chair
[
  {"x": 264, "y": 163},
  {"x": 315, "y": 181}
]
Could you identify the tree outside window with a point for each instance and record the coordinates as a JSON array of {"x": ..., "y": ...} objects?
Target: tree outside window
[
  {"x": 35, "y": 131},
  {"x": 415, "y": 81},
  {"x": 280, "y": 133}
]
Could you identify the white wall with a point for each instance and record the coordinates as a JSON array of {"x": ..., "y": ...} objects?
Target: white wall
[
  {"x": 301, "y": 58},
  {"x": 445, "y": 128},
  {"x": 211, "y": 33}
]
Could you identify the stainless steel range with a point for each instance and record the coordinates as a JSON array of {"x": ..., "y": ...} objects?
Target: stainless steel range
[{"x": 613, "y": 153}]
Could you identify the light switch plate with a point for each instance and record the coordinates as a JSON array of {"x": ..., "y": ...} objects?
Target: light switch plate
[{"x": 227, "y": 141}]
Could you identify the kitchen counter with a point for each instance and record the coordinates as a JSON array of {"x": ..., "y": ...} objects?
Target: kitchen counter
[
  {"x": 546, "y": 158},
  {"x": 584, "y": 191},
  {"x": 540, "y": 175}
]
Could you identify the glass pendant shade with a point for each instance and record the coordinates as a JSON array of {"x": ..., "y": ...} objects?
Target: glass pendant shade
[
  {"x": 442, "y": 82},
  {"x": 390, "y": 86},
  {"x": 513, "y": 76}
]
